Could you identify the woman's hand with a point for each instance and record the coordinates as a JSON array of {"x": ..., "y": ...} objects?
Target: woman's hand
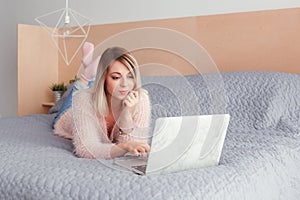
[
  {"x": 134, "y": 147},
  {"x": 131, "y": 99}
]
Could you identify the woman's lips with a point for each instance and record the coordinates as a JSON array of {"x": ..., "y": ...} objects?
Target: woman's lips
[{"x": 123, "y": 92}]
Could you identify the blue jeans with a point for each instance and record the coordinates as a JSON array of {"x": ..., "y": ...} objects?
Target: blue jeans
[{"x": 68, "y": 101}]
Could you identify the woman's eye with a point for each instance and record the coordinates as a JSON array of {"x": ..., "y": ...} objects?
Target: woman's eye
[
  {"x": 130, "y": 76},
  {"x": 115, "y": 77}
]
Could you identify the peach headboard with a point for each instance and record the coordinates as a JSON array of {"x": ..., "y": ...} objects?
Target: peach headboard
[{"x": 263, "y": 40}]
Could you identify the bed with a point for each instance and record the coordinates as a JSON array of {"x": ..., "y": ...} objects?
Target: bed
[{"x": 260, "y": 158}]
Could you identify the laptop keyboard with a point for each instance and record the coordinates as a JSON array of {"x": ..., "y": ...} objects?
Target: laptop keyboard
[{"x": 141, "y": 168}]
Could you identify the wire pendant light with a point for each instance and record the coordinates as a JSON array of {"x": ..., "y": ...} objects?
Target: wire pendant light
[{"x": 69, "y": 31}]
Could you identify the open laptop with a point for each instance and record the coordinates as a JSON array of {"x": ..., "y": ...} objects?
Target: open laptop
[{"x": 181, "y": 143}]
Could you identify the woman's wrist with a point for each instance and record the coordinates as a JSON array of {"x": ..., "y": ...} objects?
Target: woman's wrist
[
  {"x": 118, "y": 150},
  {"x": 125, "y": 131},
  {"x": 125, "y": 122},
  {"x": 122, "y": 146},
  {"x": 127, "y": 109}
]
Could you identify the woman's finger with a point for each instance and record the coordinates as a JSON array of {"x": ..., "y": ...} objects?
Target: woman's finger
[
  {"x": 135, "y": 93},
  {"x": 135, "y": 151},
  {"x": 141, "y": 149},
  {"x": 132, "y": 95},
  {"x": 147, "y": 148},
  {"x": 126, "y": 102}
]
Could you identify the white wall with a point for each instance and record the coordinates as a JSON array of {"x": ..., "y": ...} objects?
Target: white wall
[
  {"x": 19, "y": 11},
  {"x": 103, "y": 11},
  {"x": 8, "y": 68}
]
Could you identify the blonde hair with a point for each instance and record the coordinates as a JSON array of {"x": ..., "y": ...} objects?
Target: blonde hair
[{"x": 109, "y": 56}]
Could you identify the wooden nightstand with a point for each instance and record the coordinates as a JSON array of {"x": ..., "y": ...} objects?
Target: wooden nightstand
[{"x": 48, "y": 104}]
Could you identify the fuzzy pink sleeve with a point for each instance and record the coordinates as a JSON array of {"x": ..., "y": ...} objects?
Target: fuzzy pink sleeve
[
  {"x": 89, "y": 138},
  {"x": 141, "y": 120}
]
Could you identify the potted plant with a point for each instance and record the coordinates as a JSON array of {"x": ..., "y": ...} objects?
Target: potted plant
[
  {"x": 58, "y": 89},
  {"x": 76, "y": 78}
]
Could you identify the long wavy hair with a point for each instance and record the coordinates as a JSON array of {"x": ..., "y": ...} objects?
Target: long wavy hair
[{"x": 110, "y": 55}]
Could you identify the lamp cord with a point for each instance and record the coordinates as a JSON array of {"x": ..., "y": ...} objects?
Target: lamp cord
[{"x": 67, "y": 17}]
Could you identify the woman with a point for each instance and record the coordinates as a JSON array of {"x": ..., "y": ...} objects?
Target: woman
[{"x": 109, "y": 114}]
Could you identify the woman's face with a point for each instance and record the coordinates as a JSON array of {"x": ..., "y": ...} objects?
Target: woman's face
[{"x": 119, "y": 80}]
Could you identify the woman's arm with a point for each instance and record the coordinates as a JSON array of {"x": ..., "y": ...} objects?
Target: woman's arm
[
  {"x": 125, "y": 121},
  {"x": 140, "y": 121},
  {"x": 89, "y": 138}
]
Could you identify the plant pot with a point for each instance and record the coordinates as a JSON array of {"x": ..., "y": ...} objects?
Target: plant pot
[{"x": 58, "y": 95}]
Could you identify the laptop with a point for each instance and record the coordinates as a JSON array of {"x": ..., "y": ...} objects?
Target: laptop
[{"x": 181, "y": 143}]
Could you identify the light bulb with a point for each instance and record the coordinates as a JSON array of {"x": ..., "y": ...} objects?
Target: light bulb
[{"x": 66, "y": 29}]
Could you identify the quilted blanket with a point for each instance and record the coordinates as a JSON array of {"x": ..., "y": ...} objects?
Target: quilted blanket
[{"x": 260, "y": 158}]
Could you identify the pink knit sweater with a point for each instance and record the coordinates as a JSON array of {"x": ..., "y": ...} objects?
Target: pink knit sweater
[{"x": 88, "y": 129}]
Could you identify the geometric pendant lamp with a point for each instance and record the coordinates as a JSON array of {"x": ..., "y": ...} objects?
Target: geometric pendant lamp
[{"x": 68, "y": 30}]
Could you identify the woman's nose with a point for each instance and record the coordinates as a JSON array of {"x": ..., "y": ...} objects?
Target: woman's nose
[{"x": 123, "y": 82}]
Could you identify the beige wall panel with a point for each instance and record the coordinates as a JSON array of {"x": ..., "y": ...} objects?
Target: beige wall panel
[
  {"x": 37, "y": 69},
  {"x": 263, "y": 40}
]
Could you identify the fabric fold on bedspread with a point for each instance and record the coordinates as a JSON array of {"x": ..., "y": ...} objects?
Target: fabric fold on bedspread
[{"x": 259, "y": 100}]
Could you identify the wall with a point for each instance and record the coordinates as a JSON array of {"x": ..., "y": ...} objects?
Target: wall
[
  {"x": 251, "y": 41},
  {"x": 8, "y": 66},
  {"x": 105, "y": 12},
  {"x": 37, "y": 70},
  {"x": 102, "y": 12}
]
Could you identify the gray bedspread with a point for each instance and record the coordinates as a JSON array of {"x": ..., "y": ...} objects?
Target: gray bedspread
[{"x": 260, "y": 158}]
